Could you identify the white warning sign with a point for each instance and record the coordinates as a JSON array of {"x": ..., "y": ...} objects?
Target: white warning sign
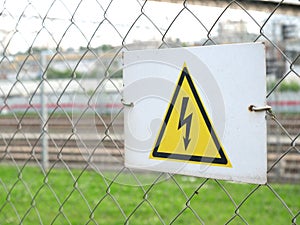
[{"x": 190, "y": 111}]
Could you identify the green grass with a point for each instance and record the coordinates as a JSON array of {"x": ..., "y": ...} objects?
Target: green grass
[{"x": 76, "y": 197}]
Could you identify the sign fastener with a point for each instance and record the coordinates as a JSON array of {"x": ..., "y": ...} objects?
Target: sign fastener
[
  {"x": 128, "y": 104},
  {"x": 254, "y": 108}
]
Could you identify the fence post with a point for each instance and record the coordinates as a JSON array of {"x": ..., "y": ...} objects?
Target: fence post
[{"x": 44, "y": 112}]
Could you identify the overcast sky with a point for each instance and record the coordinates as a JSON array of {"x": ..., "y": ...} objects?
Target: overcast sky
[{"x": 22, "y": 24}]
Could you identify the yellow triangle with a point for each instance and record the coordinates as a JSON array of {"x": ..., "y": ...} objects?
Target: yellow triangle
[{"x": 187, "y": 133}]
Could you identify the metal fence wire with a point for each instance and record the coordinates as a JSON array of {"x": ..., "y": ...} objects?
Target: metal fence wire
[{"x": 61, "y": 116}]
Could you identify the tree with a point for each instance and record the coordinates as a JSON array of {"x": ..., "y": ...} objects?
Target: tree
[{"x": 58, "y": 74}]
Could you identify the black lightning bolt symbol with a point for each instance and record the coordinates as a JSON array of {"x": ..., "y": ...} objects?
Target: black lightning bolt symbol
[{"x": 185, "y": 121}]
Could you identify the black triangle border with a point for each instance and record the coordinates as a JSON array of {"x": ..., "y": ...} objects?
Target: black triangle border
[{"x": 203, "y": 159}]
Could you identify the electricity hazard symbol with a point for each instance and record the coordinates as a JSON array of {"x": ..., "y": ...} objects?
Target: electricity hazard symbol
[{"x": 187, "y": 133}]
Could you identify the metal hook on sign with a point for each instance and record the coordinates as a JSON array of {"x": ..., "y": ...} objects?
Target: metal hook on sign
[
  {"x": 254, "y": 108},
  {"x": 129, "y": 104}
]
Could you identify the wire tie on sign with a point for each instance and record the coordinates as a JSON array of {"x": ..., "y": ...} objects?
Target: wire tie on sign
[
  {"x": 254, "y": 108},
  {"x": 129, "y": 104}
]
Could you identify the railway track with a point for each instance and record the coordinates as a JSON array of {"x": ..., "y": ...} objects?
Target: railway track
[
  {"x": 72, "y": 141},
  {"x": 100, "y": 141}
]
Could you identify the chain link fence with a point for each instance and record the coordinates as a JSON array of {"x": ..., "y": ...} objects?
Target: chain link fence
[{"x": 61, "y": 116}]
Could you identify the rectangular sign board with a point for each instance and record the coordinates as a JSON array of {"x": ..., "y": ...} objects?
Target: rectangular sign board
[{"x": 187, "y": 111}]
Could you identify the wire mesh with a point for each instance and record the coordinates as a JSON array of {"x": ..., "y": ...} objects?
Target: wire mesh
[{"x": 61, "y": 116}]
